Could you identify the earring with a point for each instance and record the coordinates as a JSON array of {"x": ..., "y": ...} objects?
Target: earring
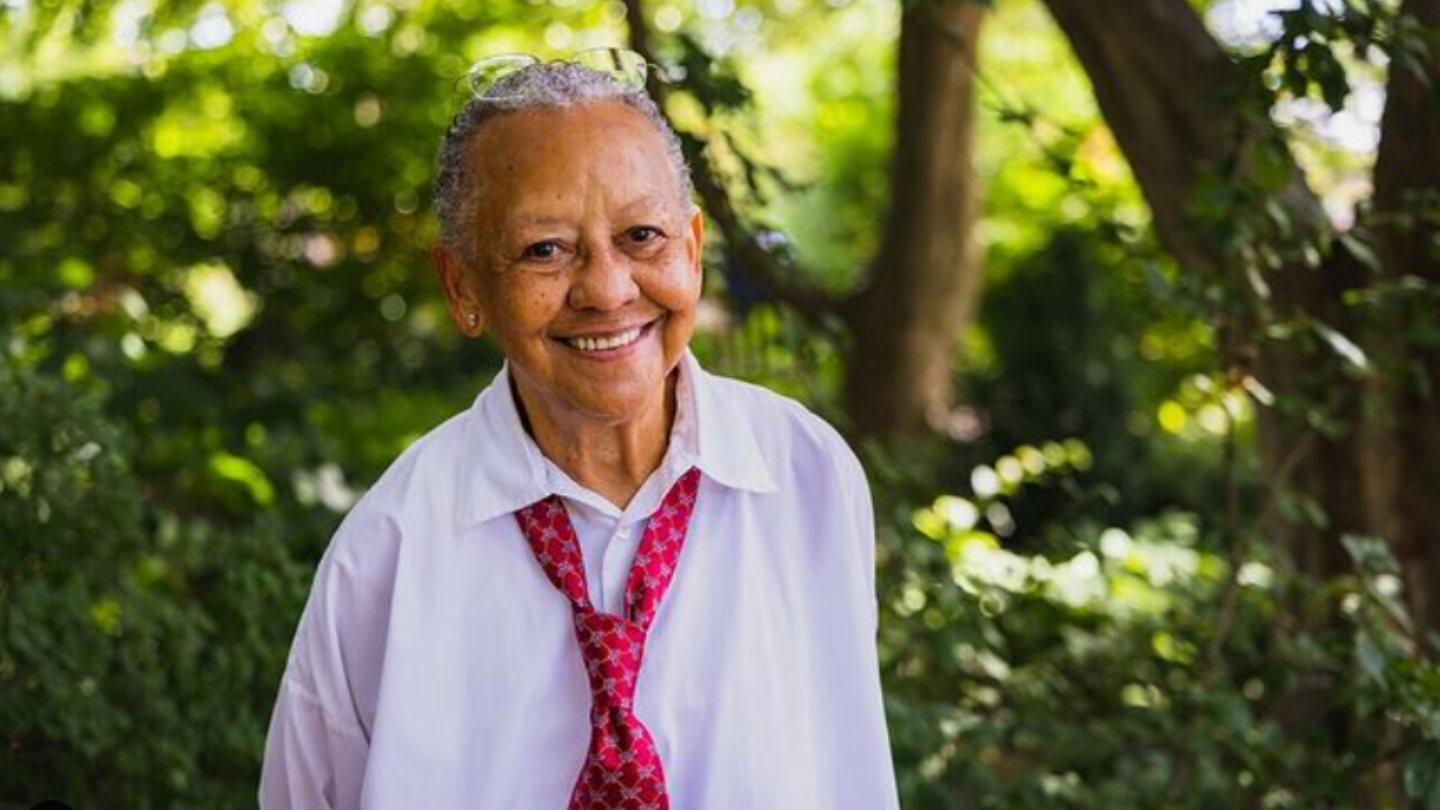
[{"x": 472, "y": 319}]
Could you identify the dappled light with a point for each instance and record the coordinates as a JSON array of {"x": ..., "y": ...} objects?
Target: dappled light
[{"x": 1129, "y": 315}]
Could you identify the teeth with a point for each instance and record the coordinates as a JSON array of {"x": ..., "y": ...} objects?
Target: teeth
[{"x": 592, "y": 344}]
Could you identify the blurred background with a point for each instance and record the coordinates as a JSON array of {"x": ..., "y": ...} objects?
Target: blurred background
[{"x": 1130, "y": 308}]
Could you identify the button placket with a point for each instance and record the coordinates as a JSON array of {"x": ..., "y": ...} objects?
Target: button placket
[
  {"x": 615, "y": 570},
  {"x": 622, "y": 769}
]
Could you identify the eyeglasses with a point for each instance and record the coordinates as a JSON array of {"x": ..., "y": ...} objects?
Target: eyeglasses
[{"x": 627, "y": 68}]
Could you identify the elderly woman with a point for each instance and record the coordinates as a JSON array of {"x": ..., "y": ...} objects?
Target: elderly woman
[{"x": 616, "y": 580}]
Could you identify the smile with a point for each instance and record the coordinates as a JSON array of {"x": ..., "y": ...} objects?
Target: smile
[{"x": 610, "y": 342}]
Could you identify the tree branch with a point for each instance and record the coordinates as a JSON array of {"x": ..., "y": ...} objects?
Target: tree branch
[
  {"x": 778, "y": 275},
  {"x": 1178, "y": 106},
  {"x": 1407, "y": 216}
]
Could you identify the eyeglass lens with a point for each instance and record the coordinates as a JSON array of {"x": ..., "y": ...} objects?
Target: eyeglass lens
[{"x": 626, "y": 67}]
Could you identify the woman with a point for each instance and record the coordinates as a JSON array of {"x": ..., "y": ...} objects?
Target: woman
[{"x": 615, "y": 580}]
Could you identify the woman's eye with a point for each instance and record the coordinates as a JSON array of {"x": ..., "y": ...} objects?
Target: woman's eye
[
  {"x": 643, "y": 233},
  {"x": 541, "y": 251}
]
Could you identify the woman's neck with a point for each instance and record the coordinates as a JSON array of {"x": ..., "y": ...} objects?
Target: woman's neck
[{"x": 612, "y": 459}]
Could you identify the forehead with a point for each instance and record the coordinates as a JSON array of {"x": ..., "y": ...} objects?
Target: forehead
[{"x": 558, "y": 157}]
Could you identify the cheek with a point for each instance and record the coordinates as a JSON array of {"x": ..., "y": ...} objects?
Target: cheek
[
  {"x": 677, "y": 286},
  {"x": 528, "y": 309},
  {"x": 680, "y": 296},
  {"x": 689, "y": 289}
]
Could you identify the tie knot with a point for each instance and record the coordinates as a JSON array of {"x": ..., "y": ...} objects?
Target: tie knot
[{"x": 612, "y": 647}]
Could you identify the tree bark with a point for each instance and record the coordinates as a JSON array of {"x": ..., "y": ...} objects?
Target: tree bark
[
  {"x": 1404, "y": 470},
  {"x": 1179, "y": 107},
  {"x": 1167, "y": 91},
  {"x": 1164, "y": 85},
  {"x": 925, "y": 280}
]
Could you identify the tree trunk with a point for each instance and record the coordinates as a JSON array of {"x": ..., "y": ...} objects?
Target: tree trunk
[
  {"x": 925, "y": 280},
  {"x": 1167, "y": 91},
  {"x": 1179, "y": 107},
  {"x": 1405, "y": 469}
]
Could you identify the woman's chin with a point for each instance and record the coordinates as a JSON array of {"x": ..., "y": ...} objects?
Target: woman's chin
[{"x": 617, "y": 406}]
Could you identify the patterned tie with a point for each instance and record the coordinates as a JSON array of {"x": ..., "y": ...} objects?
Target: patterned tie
[{"x": 622, "y": 769}]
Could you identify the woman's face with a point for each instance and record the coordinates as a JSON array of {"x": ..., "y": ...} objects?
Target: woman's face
[{"x": 586, "y": 259}]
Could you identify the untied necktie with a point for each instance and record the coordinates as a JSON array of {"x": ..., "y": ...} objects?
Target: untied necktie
[{"x": 622, "y": 769}]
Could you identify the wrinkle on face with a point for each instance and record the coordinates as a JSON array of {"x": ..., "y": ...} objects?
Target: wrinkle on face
[{"x": 584, "y": 177}]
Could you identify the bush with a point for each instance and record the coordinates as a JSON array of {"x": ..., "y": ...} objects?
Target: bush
[
  {"x": 139, "y": 649},
  {"x": 1139, "y": 668}
]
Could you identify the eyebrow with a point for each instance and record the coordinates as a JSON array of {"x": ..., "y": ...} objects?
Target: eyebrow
[
  {"x": 530, "y": 220},
  {"x": 648, "y": 201}
]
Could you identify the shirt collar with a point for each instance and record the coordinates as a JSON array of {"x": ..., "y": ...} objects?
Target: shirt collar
[
  {"x": 728, "y": 451},
  {"x": 502, "y": 470}
]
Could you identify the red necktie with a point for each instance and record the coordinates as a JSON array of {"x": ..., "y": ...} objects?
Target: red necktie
[{"x": 622, "y": 769}]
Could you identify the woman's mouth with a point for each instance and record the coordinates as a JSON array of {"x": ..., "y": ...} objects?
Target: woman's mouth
[{"x": 611, "y": 341}]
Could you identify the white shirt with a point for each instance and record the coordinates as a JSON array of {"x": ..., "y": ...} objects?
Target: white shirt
[
  {"x": 611, "y": 535},
  {"x": 435, "y": 666}
]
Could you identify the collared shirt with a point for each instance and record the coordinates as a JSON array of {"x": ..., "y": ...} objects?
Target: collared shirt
[
  {"x": 610, "y": 536},
  {"x": 435, "y": 666}
]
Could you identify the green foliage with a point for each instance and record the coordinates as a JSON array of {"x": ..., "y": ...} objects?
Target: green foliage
[
  {"x": 1132, "y": 668},
  {"x": 217, "y": 326},
  {"x": 1399, "y": 679},
  {"x": 139, "y": 650},
  {"x": 1315, "y": 38},
  {"x": 1122, "y": 364}
]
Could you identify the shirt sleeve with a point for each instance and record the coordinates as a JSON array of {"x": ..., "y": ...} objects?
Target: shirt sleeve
[
  {"x": 865, "y": 533},
  {"x": 855, "y": 490},
  {"x": 870, "y": 722},
  {"x": 318, "y": 743},
  {"x": 310, "y": 763}
]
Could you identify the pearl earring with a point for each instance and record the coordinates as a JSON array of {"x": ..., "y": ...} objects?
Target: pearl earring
[{"x": 472, "y": 319}]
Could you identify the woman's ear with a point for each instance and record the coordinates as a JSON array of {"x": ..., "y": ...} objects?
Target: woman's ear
[
  {"x": 457, "y": 282},
  {"x": 695, "y": 239}
]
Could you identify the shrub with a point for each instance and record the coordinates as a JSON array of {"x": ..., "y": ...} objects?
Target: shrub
[
  {"x": 1142, "y": 667},
  {"x": 139, "y": 649}
]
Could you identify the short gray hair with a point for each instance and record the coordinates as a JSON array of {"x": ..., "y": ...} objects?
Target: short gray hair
[{"x": 542, "y": 85}]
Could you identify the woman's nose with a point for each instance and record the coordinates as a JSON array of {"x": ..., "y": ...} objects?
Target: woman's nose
[{"x": 606, "y": 280}]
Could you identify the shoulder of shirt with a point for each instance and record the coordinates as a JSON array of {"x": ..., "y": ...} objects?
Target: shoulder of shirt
[
  {"x": 421, "y": 472},
  {"x": 790, "y": 435}
]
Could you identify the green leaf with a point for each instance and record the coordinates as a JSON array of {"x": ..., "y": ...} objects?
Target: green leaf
[
  {"x": 1371, "y": 658},
  {"x": 1362, "y": 251},
  {"x": 246, "y": 473},
  {"x": 1422, "y": 775},
  {"x": 1257, "y": 282},
  {"x": 1331, "y": 76},
  {"x": 1343, "y": 346},
  {"x": 1272, "y": 165},
  {"x": 76, "y": 273}
]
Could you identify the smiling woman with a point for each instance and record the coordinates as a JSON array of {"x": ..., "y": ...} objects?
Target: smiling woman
[
  {"x": 582, "y": 258},
  {"x": 616, "y": 580}
]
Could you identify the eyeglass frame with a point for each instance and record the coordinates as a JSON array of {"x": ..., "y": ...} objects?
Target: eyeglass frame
[{"x": 639, "y": 75}]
